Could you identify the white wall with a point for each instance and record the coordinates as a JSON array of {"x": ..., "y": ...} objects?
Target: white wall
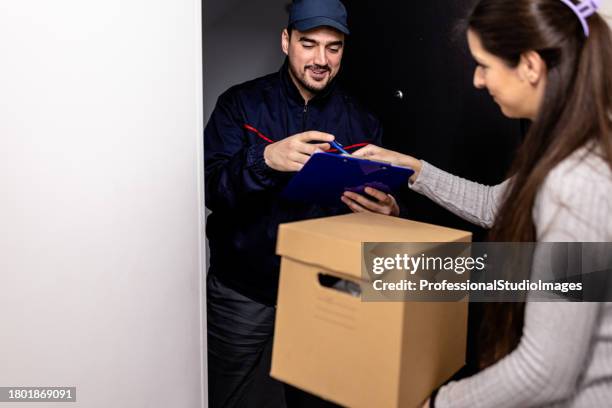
[
  {"x": 100, "y": 200},
  {"x": 606, "y": 9}
]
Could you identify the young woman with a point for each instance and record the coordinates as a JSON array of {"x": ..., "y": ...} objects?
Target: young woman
[{"x": 549, "y": 61}]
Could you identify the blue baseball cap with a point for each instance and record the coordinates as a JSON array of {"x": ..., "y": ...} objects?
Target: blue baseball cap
[{"x": 308, "y": 14}]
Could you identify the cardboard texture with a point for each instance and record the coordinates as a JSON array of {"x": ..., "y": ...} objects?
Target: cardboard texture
[{"x": 354, "y": 353}]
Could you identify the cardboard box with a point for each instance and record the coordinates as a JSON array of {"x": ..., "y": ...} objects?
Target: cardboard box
[{"x": 354, "y": 353}]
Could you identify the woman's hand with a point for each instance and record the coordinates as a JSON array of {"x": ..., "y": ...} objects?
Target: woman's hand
[
  {"x": 385, "y": 203},
  {"x": 376, "y": 153}
]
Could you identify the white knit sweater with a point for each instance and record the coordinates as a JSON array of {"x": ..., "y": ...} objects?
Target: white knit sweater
[{"x": 565, "y": 355}]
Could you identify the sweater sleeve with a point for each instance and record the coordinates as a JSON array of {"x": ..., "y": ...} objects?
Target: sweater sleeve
[
  {"x": 557, "y": 337},
  {"x": 471, "y": 201},
  {"x": 543, "y": 369}
]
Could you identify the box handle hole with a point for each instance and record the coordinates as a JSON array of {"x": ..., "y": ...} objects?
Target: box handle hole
[{"x": 341, "y": 285}]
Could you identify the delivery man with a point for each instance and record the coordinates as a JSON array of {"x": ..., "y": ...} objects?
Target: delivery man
[{"x": 260, "y": 133}]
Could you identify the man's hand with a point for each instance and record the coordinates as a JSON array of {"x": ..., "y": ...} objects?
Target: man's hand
[
  {"x": 292, "y": 153},
  {"x": 385, "y": 205}
]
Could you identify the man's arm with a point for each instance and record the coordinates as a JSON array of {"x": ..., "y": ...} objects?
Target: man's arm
[{"x": 235, "y": 169}]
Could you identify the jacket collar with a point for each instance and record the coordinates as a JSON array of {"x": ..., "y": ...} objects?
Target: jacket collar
[{"x": 294, "y": 94}]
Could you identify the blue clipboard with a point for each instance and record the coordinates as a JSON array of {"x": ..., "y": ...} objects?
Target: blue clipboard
[{"x": 326, "y": 176}]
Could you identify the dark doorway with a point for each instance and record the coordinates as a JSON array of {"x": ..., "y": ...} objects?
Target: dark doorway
[{"x": 408, "y": 61}]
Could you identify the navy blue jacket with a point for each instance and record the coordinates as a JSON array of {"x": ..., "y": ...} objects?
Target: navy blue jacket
[{"x": 243, "y": 192}]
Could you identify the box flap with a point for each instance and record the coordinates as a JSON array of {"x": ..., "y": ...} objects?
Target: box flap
[{"x": 334, "y": 243}]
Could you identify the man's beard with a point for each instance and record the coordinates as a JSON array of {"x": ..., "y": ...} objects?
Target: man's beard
[{"x": 301, "y": 78}]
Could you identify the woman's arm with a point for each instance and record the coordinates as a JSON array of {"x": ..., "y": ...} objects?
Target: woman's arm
[
  {"x": 471, "y": 201},
  {"x": 543, "y": 369}
]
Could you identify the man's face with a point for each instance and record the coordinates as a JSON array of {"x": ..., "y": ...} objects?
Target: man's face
[{"x": 314, "y": 57}]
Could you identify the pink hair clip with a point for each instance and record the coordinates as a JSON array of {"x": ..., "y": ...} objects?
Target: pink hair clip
[{"x": 583, "y": 10}]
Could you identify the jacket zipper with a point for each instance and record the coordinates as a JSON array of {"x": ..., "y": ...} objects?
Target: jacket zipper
[{"x": 304, "y": 116}]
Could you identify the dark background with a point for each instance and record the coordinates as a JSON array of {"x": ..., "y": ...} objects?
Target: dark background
[{"x": 419, "y": 48}]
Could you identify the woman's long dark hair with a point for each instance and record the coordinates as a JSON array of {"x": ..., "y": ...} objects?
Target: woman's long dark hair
[{"x": 576, "y": 109}]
